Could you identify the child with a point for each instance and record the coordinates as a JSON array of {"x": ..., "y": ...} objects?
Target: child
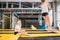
[
  {"x": 20, "y": 30},
  {"x": 45, "y": 6},
  {"x": 17, "y": 27}
]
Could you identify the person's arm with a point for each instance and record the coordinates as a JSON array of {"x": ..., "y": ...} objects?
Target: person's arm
[
  {"x": 40, "y": 4},
  {"x": 49, "y": 5}
]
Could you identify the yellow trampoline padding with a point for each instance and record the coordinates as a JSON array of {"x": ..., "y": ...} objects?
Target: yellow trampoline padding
[
  {"x": 40, "y": 35},
  {"x": 33, "y": 27}
]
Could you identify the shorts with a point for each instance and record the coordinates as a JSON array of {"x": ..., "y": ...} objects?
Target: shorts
[
  {"x": 15, "y": 33},
  {"x": 45, "y": 13}
]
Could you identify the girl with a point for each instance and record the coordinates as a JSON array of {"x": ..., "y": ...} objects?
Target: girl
[
  {"x": 17, "y": 27},
  {"x": 20, "y": 30},
  {"x": 45, "y": 6}
]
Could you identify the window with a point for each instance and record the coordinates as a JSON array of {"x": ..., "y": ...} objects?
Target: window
[
  {"x": 36, "y": 5},
  {"x": 26, "y": 5},
  {"x": 16, "y": 5},
  {"x": 2, "y": 4},
  {"x": 9, "y": 5},
  {"x": 13, "y": 4}
]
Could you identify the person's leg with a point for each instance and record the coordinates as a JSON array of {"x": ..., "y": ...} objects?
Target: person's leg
[{"x": 47, "y": 22}]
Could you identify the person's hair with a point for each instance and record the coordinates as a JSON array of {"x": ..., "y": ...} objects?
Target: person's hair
[{"x": 42, "y": 0}]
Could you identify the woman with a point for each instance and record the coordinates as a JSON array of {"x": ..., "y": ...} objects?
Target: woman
[{"x": 45, "y": 6}]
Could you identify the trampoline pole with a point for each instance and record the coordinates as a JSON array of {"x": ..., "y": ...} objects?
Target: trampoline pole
[{"x": 55, "y": 14}]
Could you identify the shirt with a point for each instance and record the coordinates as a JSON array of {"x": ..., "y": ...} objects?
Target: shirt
[
  {"x": 18, "y": 27},
  {"x": 44, "y": 7}
]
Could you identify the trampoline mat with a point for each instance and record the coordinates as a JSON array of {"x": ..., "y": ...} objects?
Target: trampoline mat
[
  {"x": 39, "y": 32},
  {"x": 39, "y": 38}
]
